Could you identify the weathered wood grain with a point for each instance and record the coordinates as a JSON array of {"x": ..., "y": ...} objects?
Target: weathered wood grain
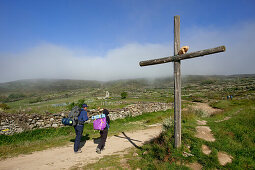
[
  {"x": 177, "y": 85},
  {"x": 183, "y": 56}
]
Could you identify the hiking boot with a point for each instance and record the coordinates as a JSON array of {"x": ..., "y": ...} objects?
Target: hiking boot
[
  {"x": 98, "y": 151},
  {"x": 79, "y": 151}
]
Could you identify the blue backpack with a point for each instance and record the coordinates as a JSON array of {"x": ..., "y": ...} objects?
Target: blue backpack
[{"x": 72, "y": 119}]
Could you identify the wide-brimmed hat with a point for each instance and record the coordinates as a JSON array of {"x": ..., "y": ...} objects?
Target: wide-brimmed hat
[{"x": 100, "y": 109}]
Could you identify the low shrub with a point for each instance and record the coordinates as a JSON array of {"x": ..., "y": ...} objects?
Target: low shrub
[{"x": 4, "y": 106}]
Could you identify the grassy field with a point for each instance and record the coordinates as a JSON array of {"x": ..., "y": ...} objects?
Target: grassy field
[
  {"x": 93, "y": 102},
  {"x": 40, "y": 96}
]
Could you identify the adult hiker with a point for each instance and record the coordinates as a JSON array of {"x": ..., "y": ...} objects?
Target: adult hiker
[
  {"x": 103, "y": 133},
  {"x": 79, "y": 128}
]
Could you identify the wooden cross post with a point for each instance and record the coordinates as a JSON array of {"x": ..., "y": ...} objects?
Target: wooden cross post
[{"x": 177, "y": 74}]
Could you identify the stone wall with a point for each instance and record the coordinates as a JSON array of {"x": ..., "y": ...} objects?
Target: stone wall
[
  {"x": 16, "y": 123},
  {"x": 138, "y": 109},
  {"x": 11, "y": 123}
]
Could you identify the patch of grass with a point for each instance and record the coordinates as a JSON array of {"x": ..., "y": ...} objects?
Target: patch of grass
[
  {"x": 35, "y": 135},
  {"x": 236, "y": 136},
  {"x": 221, "y": 104}
]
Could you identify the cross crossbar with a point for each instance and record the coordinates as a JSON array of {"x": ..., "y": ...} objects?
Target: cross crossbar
[{"x": 183, "y": 56}]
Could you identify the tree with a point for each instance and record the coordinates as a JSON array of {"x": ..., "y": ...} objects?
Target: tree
[
  {"x": 123, "y": 95},
  {"x": 80, "y": 102},
  {"x": 15, "y": 97},
  {"x": 4, "y": 106},
  {"x": 36, "y": 100}
]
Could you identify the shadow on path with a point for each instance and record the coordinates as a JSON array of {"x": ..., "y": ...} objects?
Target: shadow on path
[
  {"x": 130, "y": 140},
  {"x": 97, "y": 140}
]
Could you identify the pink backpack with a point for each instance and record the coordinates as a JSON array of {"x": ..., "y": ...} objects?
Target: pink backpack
[{"x": 100, "y": 123}]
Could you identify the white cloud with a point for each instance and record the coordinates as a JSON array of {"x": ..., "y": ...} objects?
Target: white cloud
[
  {"x": 238, "y": 57},
  {"x": 53, "y": 61}
]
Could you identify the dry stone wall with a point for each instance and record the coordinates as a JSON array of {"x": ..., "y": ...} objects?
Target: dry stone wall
[
  {"x": 16, "y": 123},
  {"x": 11, "y": 123},
  {"x": 138, "y": 109}
]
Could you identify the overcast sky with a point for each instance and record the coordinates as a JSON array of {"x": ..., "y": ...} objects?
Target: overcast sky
[{"x": 106, "y": 39}]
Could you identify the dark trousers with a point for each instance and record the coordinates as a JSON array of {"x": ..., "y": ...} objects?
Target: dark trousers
[
  {"x": 103, "y": 134},
  {"x": 78, "y": 130}
]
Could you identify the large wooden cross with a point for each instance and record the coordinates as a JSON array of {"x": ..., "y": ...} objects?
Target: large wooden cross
[{"x": 177, "y": 74}]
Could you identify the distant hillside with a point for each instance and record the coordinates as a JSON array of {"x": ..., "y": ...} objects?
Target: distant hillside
[
  {"x": 53, "y": 85},
  {"x": 46, "y": 85}
]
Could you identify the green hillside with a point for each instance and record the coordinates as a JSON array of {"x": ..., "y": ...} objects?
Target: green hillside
[{"x": 40, "y": 96}]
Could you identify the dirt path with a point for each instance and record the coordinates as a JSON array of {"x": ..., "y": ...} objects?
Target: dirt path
[
  {"x": 205, "y": 108},
  {"x": 65, "y": 158}
]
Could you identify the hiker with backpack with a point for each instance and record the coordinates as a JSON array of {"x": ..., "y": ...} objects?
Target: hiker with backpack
[
  {"x": 78, "y": 127},
  {"x": 103, "y": 133}
]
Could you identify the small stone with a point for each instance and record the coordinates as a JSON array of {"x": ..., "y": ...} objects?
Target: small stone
[
  {"x": 135, "y": 154},
  {"x": 146, "y": 152},
  {"x": 51, "y": 119},
  {"x": 48, "y": 125},
  {"x": 194, "y": 166},
  {"x": 19, "y": 130},
  {"x": 206, "y": 150},
  {"x": 204, "y": 132},
  {"x": 224, "y": 158},
  {"x": 6, "y": 127},
  {"x": 38, "y": 123},
  {"x": 186, "y": 154},
  {"x": 201, "y": 122},
  {"x": 54, "y": 125}
]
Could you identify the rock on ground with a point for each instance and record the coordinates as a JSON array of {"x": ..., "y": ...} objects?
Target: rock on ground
[
  {"x": 224, "y": 158},
  {"x": 206, "y": 150},
  {"x": 204, "y": 132}
]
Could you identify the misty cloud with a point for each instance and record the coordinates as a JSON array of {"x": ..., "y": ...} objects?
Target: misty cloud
[{"x": 54, "y": 61}]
